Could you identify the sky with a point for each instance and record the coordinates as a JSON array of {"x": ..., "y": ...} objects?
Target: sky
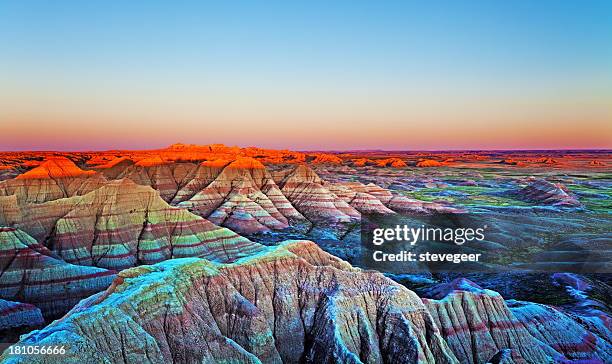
[{"x": 306, "y": 75}]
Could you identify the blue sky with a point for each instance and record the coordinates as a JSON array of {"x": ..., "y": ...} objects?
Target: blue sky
[{"x": 250, "y": 65}]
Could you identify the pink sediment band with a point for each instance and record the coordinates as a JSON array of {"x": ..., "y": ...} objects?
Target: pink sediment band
[{"x": 60, "y": 280}]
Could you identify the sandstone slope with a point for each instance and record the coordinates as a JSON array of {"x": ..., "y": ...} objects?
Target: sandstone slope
[
  {"x": 16, "y": 314},
  {"x": 242, "y": 196},
  {"x": 370, "y": 198},
  {"x": 30, "y": 273},
  {"x": 540, "y": 191},
  {"x": 122, "y": 224},
  {"x": 57, "y": 177},
  {"x": 478, "y": 325},
  {"x": 292, "y": 303},
  {"x": 306, "y": 191}
]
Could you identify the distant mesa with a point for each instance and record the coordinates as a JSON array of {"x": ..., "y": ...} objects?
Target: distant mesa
[
  {"x": 391, "y": 162},
  {"x": 151, "y": 161},
  {"x": 546, "y": 160},
  {"x": 430, "y": 163},
  {"x": 361, "y": 162},
  {"x": 513, "y": 162},
  {"x": 321, "y": 158}
]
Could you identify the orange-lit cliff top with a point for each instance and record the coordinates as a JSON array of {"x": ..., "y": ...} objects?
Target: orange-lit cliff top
[
  {"x": 44, "y": 164},
  {"x": 55, "y": 167}
]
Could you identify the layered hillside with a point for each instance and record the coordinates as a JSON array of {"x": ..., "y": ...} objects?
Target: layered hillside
[
  {"x": 295, "y": 303},
  {"x": 292, "y": 303},
  {"x": 56, "y": 178},
  {"x": 31, "y": 273},
  {"x": 166, "y": 177},
  {"x": 373, "y": 199},
  {"x": 17, "y": 315},
  {"x": 306, "y": 191},
  {"x": 122, "y": 224},
  {"x": 242, "y": 196},
  {"x": 540, "y": 191},
  {"x": 564, "y": 333},
  {"x": 478, "y": 325}
]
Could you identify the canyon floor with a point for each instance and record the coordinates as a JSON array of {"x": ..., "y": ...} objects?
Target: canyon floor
[{"x": 246, "y": 255}]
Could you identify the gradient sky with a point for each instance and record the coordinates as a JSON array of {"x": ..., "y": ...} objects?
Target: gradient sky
[{"x": 411, "y": 75}]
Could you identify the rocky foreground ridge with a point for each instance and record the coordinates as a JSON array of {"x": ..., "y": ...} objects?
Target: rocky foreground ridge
[{"x": 295, "y": 303}]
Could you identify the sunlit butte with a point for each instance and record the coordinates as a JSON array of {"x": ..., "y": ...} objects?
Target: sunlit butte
[{"x": 310, "y": 76}]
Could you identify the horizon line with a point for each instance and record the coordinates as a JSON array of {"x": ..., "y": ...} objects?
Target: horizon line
[{"x": 359, "y": 150}]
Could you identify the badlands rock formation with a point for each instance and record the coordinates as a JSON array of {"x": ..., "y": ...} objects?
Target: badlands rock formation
[
  {"x": 478, "y": 325},
  {"x": 242, "y": 196},
  {"x": 292, "y": 303},
  {"x": 562, "y": 332},
  {"x": 542, "y": 192},
  {"x": 429, "y": 163},
  {"x": 16, "y": 314},
  {"x": 322, "y": 158},
  {"x": 122, "y": 224},
  {"x": 68, "y": 230},
  {"x": 239, "y": 194},
  {"x": 56, "y": 178},
  {"x": 30, "y": 273},
  {"x": 306, "y": 191},
  {"x": 373, "y": 199},
  {"x": 360, "y": 198},
  {"x": 7, "y": 172},
  {"x": 391, "y": 162},
  {"x": 361, "y": 162}
]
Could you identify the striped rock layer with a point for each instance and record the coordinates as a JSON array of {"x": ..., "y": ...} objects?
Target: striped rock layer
[
  {"x": 292, "y": 303},
  {"x": 542, "y": 192},
  {"x": 167, "y": 178},
  {"x": 242, "y": 196},
  {"x": 30, "y": 273},
  {"x": 479, "y": 327},
  {"x": 56, "y": 178},
  {"x": 373, "y": 199},
  {"x": 239, "y": 193},
  {"x": 306, "y": 191},
  {"x": 362, "y": 201},
  {"x": 562, "y": 332},
  {"x": 17, "y": 314},
  {"x": 122, "y": 224}
]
